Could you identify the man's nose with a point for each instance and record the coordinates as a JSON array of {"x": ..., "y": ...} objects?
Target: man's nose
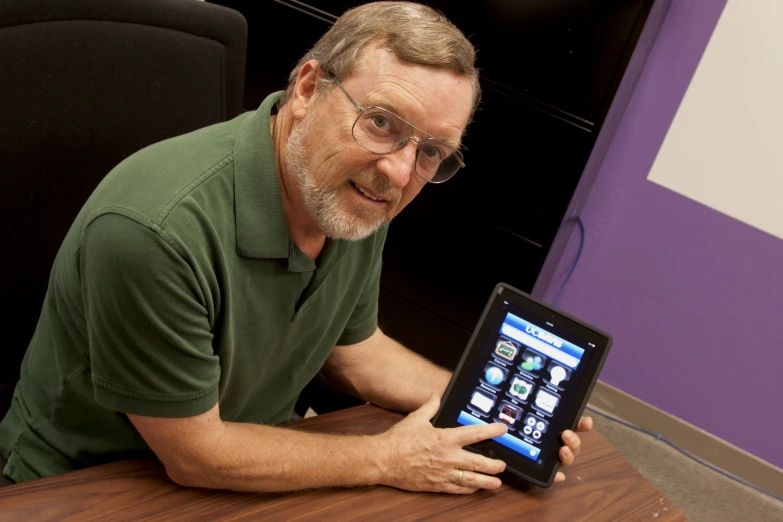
[{"x": 398, "y": 166}]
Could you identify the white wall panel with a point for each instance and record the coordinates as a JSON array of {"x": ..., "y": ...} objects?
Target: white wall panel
[{"x": 725, "y": 146}]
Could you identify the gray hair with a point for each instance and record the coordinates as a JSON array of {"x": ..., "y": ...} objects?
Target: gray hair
[{"x": 415, "y": 33}]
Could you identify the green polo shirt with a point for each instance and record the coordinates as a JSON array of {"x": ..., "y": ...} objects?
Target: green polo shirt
[{"x": 178, "y": 287}]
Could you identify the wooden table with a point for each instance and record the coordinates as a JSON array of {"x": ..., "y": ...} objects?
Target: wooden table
[{"x": 602, "y": 485}]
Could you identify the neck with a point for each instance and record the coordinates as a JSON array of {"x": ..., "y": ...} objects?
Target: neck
[{"x": 302, "y": 228}]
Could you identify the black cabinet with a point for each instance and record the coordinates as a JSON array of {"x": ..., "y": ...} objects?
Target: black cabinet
[{"x": 550, "y": 71}]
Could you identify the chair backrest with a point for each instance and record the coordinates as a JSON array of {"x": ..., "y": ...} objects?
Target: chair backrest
[{"x": 83, "y": 85}]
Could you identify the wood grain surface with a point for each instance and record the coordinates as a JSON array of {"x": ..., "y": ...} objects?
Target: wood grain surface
[{"x": 602, "y": 485}]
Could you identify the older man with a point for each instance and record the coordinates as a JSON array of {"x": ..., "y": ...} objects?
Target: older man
[{"x": 209, "y": 277}]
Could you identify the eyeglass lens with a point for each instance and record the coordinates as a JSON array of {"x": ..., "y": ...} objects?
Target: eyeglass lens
[{"x": 381, "y": 131}]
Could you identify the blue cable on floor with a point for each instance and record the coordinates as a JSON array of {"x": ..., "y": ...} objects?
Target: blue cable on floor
[{"x": 627, "y": 424}]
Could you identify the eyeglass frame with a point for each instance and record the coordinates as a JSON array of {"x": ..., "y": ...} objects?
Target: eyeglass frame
[{"x": 419, "y": 142}]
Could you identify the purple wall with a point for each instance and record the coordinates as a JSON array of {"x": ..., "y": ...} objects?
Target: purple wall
[{"x": 693, "y": 298}]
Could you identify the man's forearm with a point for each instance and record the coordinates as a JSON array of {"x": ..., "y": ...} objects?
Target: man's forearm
[
  {"x": 250, "y": 457},
  {"x": 384, "y": 372}
]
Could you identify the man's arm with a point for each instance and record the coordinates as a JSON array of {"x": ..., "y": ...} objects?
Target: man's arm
[
  {"x": 382, "y": 371},
  {"x": 203, "y": 451}
]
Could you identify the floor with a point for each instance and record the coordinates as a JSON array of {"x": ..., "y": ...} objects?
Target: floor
[{"x": 700, "y": 493}]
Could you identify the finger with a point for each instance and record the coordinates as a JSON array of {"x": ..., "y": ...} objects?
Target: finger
[
  {"x": 456, "y": 484},
  {"x": 474, "y": 480},
  {"x": 427, "y": 410},
  {"x": 467, "y": 435},
  {"x": 560, "y": 477},
  {"x": 573, "y": 441},
  {"x": 566, "y": 456},
  {"x": 585, "y": 424},
  {"x": 480, "y": 464}
]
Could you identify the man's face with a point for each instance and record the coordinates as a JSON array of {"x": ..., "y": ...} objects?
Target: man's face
[{"x": 348, "y": 190}]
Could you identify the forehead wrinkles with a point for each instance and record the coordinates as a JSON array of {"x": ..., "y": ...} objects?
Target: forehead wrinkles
[{"x": 407, "y": 96}]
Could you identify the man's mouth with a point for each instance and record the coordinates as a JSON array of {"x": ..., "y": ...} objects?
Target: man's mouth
[{"x": 368, "y": 194}]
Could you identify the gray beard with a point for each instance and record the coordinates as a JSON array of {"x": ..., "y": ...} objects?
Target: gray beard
[{"x": 322, "y": 204}]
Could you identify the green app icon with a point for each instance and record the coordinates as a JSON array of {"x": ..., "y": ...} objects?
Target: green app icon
[
  {"x": 520, "y": 388},
  {"x": 506, "y": 350}
]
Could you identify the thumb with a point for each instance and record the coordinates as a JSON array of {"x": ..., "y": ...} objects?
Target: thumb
[{"x": 427, "y": 410}]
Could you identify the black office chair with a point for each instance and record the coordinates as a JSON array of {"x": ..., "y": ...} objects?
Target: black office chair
[{"x": 83, "y": 85}]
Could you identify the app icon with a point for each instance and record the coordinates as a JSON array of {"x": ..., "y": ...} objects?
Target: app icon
[
  {"x": 536, "y": 424},
  {"x": 505, "y": 349},
  {"x": 527, "y": 430},
  {"x": 481, "y": 401},
  {"x": 509, "y": 413},
  {"x": 532, "y": 361},
  {"x": 520, "y": 388},
  {"x": 536, "y": 434},
  {"x": 494, "y": 374},
  {"x": 546, "y": 401},
  {"x": 556, "y": 375}
]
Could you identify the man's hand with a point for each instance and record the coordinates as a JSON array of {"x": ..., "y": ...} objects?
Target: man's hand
[
  {"x": 572, "y": 445},
  {"x": 419, "y": 457},
  {"x": 382, "y": 371},
  {"x": 422, "y": 458}
]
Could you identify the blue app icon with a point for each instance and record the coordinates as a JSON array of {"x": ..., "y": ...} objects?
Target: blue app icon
[{"x": 494, "y": 374}]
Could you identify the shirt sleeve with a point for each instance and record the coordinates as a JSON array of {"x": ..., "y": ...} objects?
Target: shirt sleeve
[
  {"x": 149, "y": 334},
  {"x": 364, "y": 319}
]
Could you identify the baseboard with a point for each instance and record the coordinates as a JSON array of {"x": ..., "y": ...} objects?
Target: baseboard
[{"x": 696, "y": 441}]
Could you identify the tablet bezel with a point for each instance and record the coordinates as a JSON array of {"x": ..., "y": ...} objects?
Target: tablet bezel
[{"x": 517, "y": 466}]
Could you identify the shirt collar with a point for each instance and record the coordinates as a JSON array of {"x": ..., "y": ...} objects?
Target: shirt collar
[{"x": 261, "y": 227}]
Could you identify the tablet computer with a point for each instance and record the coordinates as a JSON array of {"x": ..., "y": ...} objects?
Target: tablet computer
[{"x": 531, "y": 367}]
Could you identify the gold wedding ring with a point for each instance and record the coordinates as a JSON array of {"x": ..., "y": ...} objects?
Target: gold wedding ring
[{"x": 459, "y": 480}]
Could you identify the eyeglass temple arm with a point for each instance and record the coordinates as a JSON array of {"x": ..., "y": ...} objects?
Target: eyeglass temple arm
[{"x": 354, "y": 102}]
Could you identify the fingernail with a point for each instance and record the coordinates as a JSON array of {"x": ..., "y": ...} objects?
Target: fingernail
[{"x": 568, "y": 436}]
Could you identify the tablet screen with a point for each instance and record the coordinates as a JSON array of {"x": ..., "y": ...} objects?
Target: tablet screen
[{"x": 525, "y": 376}]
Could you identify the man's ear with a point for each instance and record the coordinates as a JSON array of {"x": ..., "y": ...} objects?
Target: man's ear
[{"x": 305, "y": 91}]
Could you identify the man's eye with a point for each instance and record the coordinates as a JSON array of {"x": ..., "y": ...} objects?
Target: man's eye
[
  {"x": 381, "y": 122},
  {"x": 434, "y": 153}
]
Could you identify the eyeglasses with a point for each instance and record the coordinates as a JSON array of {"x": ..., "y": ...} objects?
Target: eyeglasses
[{"x": 381, "y": 131}]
